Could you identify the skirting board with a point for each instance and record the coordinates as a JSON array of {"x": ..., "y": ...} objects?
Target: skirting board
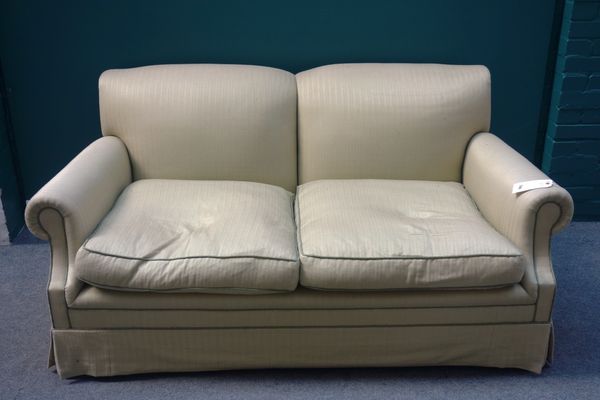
[{"x": 132, "y": 351}]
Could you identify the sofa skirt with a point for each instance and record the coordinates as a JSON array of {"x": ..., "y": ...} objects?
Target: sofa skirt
[{"x": 132, "y": 351}]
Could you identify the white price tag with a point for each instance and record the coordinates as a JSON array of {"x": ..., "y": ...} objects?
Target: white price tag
[{"x": 530, "y": 185}]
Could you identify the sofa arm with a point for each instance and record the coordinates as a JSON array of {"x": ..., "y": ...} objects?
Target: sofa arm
[
  {"x": 70, "y": 206},
  {"x": 528, "y": 219},
  {"x": 83, "y": 192}
]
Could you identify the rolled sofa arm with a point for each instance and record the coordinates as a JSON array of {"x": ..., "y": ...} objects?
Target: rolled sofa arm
[
  {"x": 528, "y": 219},
  {"x": 83, "y": 192},
  {"x": 70, "y": 206}
]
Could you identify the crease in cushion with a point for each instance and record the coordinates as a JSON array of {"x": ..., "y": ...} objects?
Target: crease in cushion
[
  {"x": 194, "y": 236},
  {"x": 394, "y": 234}
]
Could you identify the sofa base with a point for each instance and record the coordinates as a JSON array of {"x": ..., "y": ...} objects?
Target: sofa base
[{"x": 132, "y": 351}]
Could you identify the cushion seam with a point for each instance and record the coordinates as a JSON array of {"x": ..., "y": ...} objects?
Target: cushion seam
[
  {"x": 399, "y": 289},
  {"x": 187, "y": 258},
  {"x": 175, "y": 328},
  {"x": 183, "y": 289},
  {"x": 293, "y": 309},
  {"x": 416, "y": 257},
  {"x": 301, "y": 248}
]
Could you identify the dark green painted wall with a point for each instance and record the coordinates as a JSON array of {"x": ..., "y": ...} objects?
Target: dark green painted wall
[
  {"x": 12, "y": 203},
  {"x": 53, "y": 52},
  {"x": 572, "y": 151}
]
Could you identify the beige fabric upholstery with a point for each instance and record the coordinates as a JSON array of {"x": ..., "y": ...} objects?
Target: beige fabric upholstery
[
  {"x": 60, "y": 289},
  {"x": 220, "y": 122},
  {"x": 206, "y": 142},
  {"x": 92, "y": 297},
  {"x": 384, "y": 234},
  {"x": 174, "y": 235},
  {"x": 198, "y": 318},
  {"x": 491, "y": 168},
  {"x": 68, "y": 208},
  {"x": 540, "y": 279},
  {"x": 389, "y": 121},
  {"x": 96, "y": 308},
  {"x": 122, "y": 351}
]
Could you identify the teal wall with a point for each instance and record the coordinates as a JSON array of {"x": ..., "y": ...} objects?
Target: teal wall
[
  {"x": 572, "y": 151},
  {"x": 12, "y": 202},
  {"x": 53, "y": 53}
]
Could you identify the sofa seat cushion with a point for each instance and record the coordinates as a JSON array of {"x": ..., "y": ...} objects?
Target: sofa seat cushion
[
  {"x": 392, "y": 234},
  {"x": 194, "y": 236}
]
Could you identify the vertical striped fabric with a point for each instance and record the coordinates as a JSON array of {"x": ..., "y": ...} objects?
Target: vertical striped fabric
[
  {"x": 203, "y": 236},
  {"x": 220, "y": 122},
  {"x": 385, "y": 234},
  {"x": 389, "y": 121}
]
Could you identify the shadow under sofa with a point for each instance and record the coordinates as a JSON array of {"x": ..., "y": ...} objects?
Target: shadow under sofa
[{"x": 244, "y": 217}]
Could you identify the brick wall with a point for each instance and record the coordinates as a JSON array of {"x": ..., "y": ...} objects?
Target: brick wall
[{"x": 572, "y": 147}]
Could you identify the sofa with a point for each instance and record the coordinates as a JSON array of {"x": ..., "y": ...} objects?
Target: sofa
[{"x": 352, "y": 215}]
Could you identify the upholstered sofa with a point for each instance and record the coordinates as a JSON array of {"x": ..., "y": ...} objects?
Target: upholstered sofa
[{"x": 351, "y": 215}]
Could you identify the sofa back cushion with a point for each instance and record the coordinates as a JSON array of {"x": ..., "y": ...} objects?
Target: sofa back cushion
[
  {"x": 204, "y": 121},
  {"x": 389, "y": 121}
]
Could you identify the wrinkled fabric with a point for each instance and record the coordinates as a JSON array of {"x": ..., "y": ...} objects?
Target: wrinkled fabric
[
  {"x": 173, "y": 235},
  {"x": 385, "y": 234}
]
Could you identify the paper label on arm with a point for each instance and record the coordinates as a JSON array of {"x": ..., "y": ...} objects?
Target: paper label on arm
[{"x": 520, "y": 187}]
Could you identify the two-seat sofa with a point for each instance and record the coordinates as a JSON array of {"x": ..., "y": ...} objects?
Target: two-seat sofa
[{"x": 245, "y": 217}]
